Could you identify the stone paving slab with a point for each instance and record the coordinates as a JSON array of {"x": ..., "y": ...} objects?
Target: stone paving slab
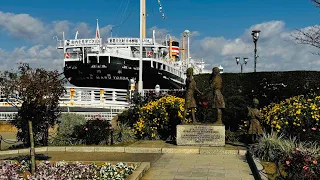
[
  {"x": 164, "y": 147},
  {"x": 199, "y": 166}
]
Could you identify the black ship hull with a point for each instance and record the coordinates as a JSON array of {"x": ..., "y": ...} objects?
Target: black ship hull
[{"x": 116, "y": 75}]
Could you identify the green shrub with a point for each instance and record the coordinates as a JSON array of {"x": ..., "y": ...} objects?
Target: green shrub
[
  {"x": 272, "y": 147},
  {"x": 123, "y": 134},
  {"x": 94, "y": 131},
  {"x": 66, "y": 128}
]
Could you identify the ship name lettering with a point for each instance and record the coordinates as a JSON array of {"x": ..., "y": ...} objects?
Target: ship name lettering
[{"x": 120, "y": 78}]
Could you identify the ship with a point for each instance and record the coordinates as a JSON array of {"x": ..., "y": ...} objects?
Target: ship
[{"x": 114, "y": 62}]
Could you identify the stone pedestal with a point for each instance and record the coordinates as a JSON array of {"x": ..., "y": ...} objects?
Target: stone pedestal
[{"x": 201, "y": 135}]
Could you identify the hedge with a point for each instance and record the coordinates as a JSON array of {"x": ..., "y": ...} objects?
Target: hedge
[{"x": 240, "y": 88}]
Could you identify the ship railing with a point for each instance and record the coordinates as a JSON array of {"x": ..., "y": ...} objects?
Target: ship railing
[
  {"x": 10, "y": 116},
  {"x": 83, "y": 97},
  {"x": 77, "y": 96},
  {"x": 157, "y": 92},
  {"x": 60, "y": 44}
]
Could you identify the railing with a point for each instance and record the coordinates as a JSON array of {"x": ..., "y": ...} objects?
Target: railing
[
  {"x": 94, "y": 97},
  {"x": 10, "y": 116},
  {"x": 88, "y": 97}
]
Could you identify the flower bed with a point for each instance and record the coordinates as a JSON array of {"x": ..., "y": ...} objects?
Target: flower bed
[
  {"x": 63, "y": 170},
  {"x": 296, "y": 116}
]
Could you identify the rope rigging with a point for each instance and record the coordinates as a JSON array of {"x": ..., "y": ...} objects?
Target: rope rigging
[{"x": 123, "y": 20}]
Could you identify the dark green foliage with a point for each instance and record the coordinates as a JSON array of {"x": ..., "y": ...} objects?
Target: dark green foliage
[
  {"x": 240, "y": 88},
  {"x": 123, "y": 134},
  {"x": 94, "y": 132},
  {"x": 66, "y": 129}
]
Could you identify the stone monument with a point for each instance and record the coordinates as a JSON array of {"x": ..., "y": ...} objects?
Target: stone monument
[{"x": 196, "y": 134}]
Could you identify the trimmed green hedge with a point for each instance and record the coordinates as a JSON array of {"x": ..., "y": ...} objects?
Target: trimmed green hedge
[{"x": 240, "y": 88}]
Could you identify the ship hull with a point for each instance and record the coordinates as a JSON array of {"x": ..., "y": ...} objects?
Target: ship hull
[{"x": 117, "y": 74}]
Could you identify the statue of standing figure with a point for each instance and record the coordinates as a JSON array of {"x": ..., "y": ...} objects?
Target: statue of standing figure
[
  {"x": 254, "y": 115},
  {"x": 216, "y": 85},
  {"x": 190, "y": 102}
]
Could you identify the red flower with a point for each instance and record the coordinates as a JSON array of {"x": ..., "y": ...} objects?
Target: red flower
[
  {"x": 205, "y": 103},
  {"x": 288, "y": 163}
]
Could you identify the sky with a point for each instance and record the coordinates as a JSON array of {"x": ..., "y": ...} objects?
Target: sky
[{"x": 220, "y": 29}]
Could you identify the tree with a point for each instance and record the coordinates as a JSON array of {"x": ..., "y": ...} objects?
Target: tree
[
  {"x": 316, "y": 3},
  {"x": 311, "y": 35},
  {"x": 35, "y": 93}
]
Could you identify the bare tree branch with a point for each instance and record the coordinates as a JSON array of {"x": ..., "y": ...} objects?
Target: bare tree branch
[
  {"x": 316, "y": 3},
  {"x": 308, "y": 36}
]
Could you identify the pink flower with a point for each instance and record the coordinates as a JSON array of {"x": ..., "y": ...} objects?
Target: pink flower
[
  {"x": 86, "y": 129},
  {"x": 305, "y": 167},
  {"x": 288, "y": 163},
  {"x": 314, "y": 128},
  {"x": 315, "y": 162},
  {"x": 297, "y": 149}
]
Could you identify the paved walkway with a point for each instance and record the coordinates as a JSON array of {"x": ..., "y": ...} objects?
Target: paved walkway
[{"x": 200, "y": 166}]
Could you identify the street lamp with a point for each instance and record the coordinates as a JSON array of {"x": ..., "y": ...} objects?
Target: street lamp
[
  {"x": 221, "y": 69},
  {"x": 245, "y": 61},
  {"x": 187, "y": 33},
  {"x": 255, "y": 36}
]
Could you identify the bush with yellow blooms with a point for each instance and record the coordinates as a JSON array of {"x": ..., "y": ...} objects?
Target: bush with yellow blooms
[
  {"x": 158, "y": 119},
  {"x": 296, "y": 116}
]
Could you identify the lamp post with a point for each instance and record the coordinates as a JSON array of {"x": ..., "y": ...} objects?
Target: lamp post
[
  {"x": 221, "y": 69},
  {"x": 255, "y": 36},
  {"x": 187, "y": 33},
  {"x": 245, "y": 61}
]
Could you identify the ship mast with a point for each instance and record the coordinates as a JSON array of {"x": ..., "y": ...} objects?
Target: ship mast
[
  {"x": 144, "y": 18},
  {"x": 142, "y": 36}
]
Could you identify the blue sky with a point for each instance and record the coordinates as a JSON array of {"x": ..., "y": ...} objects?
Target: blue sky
[{"x": 213, "y": 21}]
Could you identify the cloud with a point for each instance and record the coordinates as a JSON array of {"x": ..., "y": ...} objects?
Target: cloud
[
  {"x": 42, "y": 52},
  {"x": 34, "y": 30},
  {"x": 37, "y": 56},
  {"x": 275, "y": 48},
  {"x": 21, "y": 25}
]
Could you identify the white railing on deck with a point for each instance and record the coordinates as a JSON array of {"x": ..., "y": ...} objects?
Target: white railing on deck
[
  {"x": 88, "y": 97},
  {"x": 9, "y": 116},
  {"x": 94, "y": 97}
]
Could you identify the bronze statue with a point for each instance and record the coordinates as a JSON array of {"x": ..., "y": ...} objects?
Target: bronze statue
[
  {"x": 190, "y": 102},
  {"x": 216, "y": 85},
  {"x": 254, "y": 115}
]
